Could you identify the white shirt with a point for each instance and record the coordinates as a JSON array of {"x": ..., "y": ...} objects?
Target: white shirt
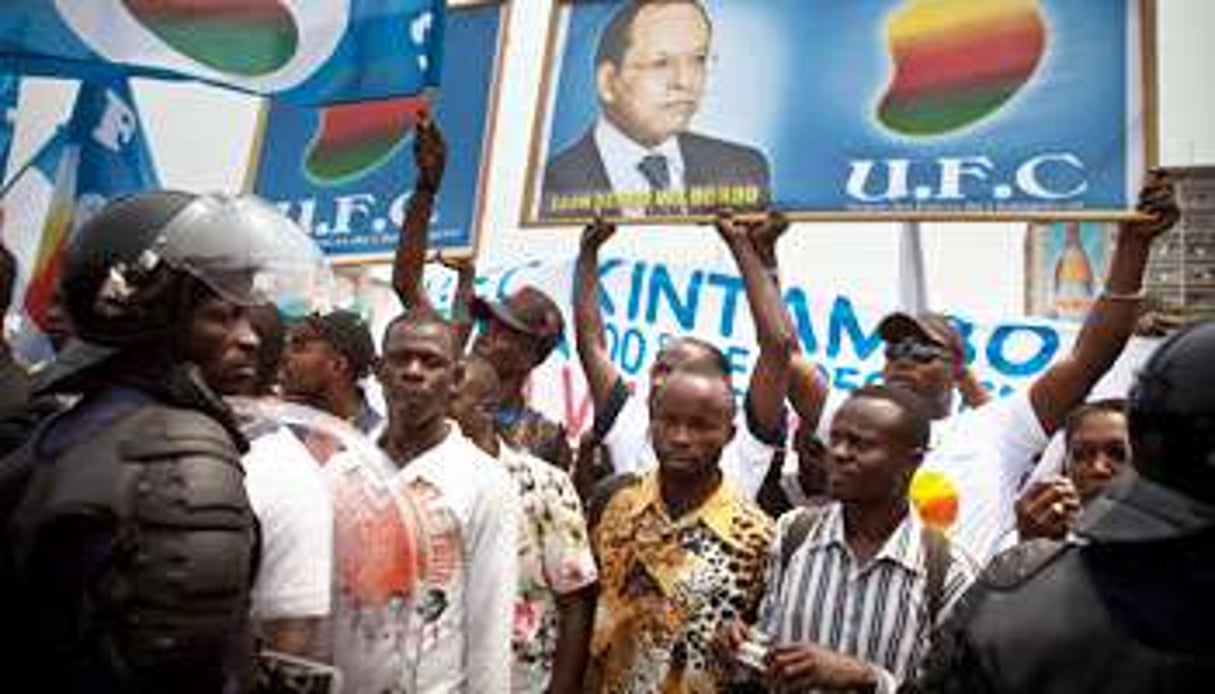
[
  {"x": 456, "y": 637},
  {"x": 982, "y": 456},
  {"x": 291, "y": 501},
  {"x": 622, "y": 155},
  {"x": 744, "y": 461}
]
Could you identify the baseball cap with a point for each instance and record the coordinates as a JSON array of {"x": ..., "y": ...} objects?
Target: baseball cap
[
  {"x": 929, "y": 327},
  {"x": 346, "y": 332},
  {"x": 527, "y": 310}
]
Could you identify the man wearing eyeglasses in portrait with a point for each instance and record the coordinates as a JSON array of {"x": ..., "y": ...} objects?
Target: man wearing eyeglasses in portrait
[{"x": 639, "y": 159}]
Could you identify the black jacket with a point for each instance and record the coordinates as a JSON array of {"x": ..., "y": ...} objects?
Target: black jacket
[{"x": 1127, "y": 606}]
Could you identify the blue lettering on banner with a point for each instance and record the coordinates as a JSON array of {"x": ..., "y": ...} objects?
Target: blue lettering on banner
[
  {"x": 668, "y": 301},
  {"x": 661, "y": 287},
  {"x": 799, "y": 309},
  {"x": 996, "y": 346},
  {"x": 635, "y": 292},
  {"x": 732, "y": 285},
  {"x": 843, "y": 320},
  {"x": 739, "y": 359},
  {"x": 632, "y": 351},
  {"x": 627, "y": 348},
  {"x": 965, "y": 331},
  {"x": 844, "y": 378},
  {"x": 504, "y": 282}
]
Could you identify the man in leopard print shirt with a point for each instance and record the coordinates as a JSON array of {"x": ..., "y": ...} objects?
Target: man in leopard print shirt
[{"x": 680, "y": 551}]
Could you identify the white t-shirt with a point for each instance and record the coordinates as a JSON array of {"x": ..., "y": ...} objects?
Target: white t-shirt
[
  {"x": 978, "y": 458},
  {"x": 291, "y": 501},
  {"x": 744, "y": 461},
  {"x": 456, "y": 634}
]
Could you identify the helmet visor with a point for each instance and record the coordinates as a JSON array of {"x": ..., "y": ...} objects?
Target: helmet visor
[{"x": 248, "y": 253}]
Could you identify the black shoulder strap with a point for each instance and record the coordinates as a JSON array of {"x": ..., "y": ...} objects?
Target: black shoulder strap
[
  {"x": 602, "y": 493},
  {"x": 806, "y": 518},
  {"x": 936, "y": 559},
  {"x": 1012, "y": 567}
]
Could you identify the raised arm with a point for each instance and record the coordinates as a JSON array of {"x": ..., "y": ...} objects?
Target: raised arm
[
  {"x": 601, "y": 374},
  {"x": 430, "y": 158},
  {"x": 1112, "y": 318},
  {"x": 461, "y": 313},
  {"x": 806, "y": 388},
  {"x": 773, "y": 329}
]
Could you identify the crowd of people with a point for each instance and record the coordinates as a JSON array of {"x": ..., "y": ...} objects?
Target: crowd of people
[
  {"x": 160, "y": 535},
  {"x": 198, "y": 493}
]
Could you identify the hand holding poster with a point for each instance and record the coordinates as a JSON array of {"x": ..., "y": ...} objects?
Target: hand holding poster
[{"x": 898, "y": 108}]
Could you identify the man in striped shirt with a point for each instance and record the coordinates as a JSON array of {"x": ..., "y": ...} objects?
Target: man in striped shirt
[{"x": 855, "y": 587}]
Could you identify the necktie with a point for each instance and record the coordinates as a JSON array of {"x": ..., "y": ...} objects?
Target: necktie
[
  {"x": 654, "y": 168},
  {"x": 658, "y": 174}
]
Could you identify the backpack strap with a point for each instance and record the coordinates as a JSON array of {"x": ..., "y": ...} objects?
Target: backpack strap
[
  {"x": 936, "y": 560},
  {"x": 805, "y": 519}
]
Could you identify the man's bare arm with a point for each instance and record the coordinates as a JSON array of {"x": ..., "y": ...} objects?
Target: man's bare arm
[
  {"x": 1112, "y": 319},
  {"x": 430, "y": 158},
  {"x": 773, "y": 329},
  {"x": 601, "y": 374}
]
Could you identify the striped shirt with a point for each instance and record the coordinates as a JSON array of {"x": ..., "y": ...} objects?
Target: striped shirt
[{"x": 876, "y": 612}]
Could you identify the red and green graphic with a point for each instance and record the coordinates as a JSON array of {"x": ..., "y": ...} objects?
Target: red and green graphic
[
  {"x": 958, "y": 61},
  {"x": 240, "y": 37},
  {"x": 353, "y": 139}
]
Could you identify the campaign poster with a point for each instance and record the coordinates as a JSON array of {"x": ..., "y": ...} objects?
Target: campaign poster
[
  {"x": 866, "y": 109},
  {"x": 345, "y": 173}
]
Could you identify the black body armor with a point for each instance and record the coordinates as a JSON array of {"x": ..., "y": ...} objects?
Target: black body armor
[{"x": 129, "y": 552}]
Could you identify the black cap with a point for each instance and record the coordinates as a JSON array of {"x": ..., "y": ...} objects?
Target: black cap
[
  {"x": 529, "y": 311},
  {"x": 925, "y": 327}
]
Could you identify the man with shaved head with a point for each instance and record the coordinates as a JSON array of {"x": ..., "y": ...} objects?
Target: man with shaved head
[{"x": 680, "y": 550}]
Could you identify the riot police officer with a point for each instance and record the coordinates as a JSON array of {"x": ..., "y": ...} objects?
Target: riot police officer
[
  {"x": 1126, "y": 605},
  {"x": 129, "y": 544}
]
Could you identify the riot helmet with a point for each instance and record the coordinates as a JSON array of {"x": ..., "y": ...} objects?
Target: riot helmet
[
  {"x": 125, "y": 269},
  {"x": 1171, "y": 413}
]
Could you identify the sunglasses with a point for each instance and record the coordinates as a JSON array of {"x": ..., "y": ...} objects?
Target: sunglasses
[{"x": 915, "y": 350}]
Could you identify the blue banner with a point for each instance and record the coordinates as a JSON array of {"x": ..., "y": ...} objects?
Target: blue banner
[
  {"x": 891, "y": 107},
  {"x": 345, "y": 173},
  {"x": 8, "y": 117},
  {"x": 305, "y": 52}
]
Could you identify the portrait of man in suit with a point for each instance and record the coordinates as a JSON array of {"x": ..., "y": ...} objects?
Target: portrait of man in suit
[{"x": 639, "y": 158}]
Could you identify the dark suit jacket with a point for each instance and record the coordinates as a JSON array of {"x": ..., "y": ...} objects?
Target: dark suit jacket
[{"x": 709, "y": 163}]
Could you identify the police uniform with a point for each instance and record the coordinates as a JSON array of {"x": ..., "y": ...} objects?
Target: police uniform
[{"x": 1124, "y": 606}]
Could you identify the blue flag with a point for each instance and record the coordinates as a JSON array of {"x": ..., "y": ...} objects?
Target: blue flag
[
  {"x": 101, "y": 154},
  {"x": 309, "y": 53},
  {"x": 8, "y": 117}
]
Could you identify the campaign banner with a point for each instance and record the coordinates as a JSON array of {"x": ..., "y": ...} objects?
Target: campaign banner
[
  {"x": 305, "y": 52},
  {"x": 345, "y": 173},
  {"x": 929, "y": 109},
  {"x": 645, "y": 303}
]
